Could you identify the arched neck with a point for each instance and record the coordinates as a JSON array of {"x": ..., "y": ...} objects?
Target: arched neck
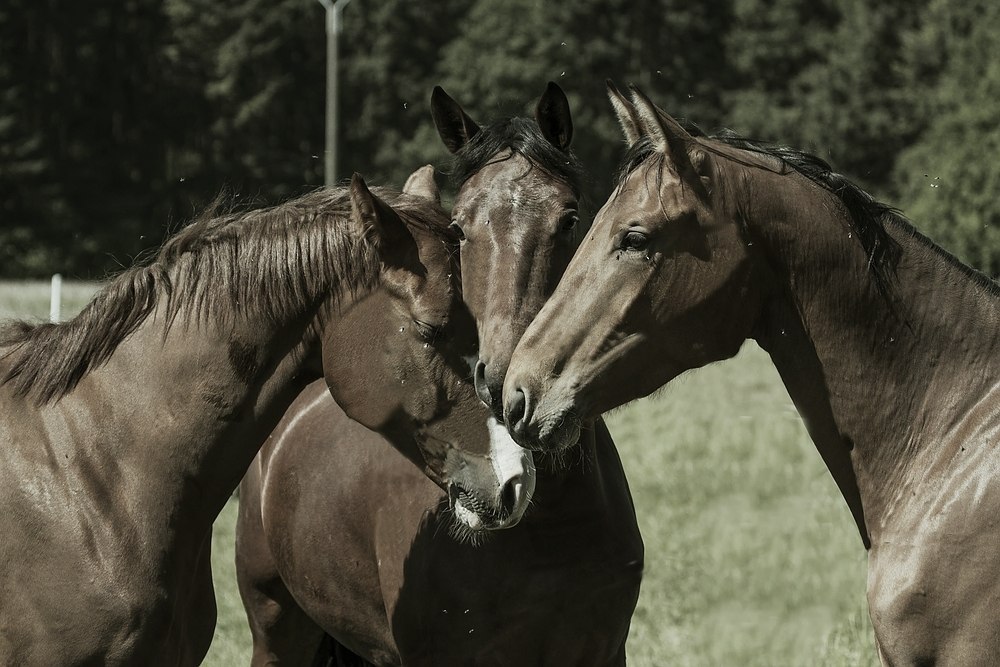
[
  {"x": 871, "y": 372},
  {"x": 184, "y": 413}
]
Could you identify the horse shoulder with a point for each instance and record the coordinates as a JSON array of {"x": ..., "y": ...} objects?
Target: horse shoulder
[{"x": 932, "y": 587}]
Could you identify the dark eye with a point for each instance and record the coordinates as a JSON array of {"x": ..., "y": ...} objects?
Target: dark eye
[
  {"x": 429, "y": 332},
  {"x": 456, "y": 229},
  {"x": 634, "y": 240},
  {"x": 569, "y": 221}
]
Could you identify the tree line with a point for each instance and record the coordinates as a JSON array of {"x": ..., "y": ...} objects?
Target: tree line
[{"x": 119, "y": 121}]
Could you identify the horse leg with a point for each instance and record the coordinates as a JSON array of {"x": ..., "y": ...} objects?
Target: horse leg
[
  {"x": 193, "y": 624},
  {"x": 282, "y": 632}
]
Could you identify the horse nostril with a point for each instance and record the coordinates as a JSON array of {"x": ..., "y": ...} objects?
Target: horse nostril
[
  {"x": 516, "y": 410},
  {"x": 509, "y": 496},
  {"x": 479, "y": 380}
]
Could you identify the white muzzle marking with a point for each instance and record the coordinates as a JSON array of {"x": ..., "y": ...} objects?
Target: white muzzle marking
[{"x": 514, "y": 465}]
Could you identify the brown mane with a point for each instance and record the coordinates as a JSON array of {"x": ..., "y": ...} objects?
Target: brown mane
[{"x": 268, "y": 264}]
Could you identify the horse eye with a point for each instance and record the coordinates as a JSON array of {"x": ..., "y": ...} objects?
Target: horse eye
[
  {"x": 569, "y": 221},
  {"x": 428, "y": 332},
  {"x": 634, "y": 241},
  {"x": 456, "y": 229}
]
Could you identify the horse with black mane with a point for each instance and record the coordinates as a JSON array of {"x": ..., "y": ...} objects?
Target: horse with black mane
[
  {"x": 886, "y": 343},
  {"x": 126, "y": 429}
]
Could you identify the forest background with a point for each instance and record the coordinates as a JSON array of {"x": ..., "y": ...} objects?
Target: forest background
[{"x": 120, "y": 121}]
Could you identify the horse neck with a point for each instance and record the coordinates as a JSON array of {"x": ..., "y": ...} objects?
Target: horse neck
[
  {"x": 586, "y": 489},
  {"x": 870, "y": 373},
  {"x": 184, "y": 402},
  {"x": 190, "y": 409}
]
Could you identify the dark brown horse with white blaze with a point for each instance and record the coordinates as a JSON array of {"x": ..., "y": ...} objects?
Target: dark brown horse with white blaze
[
  {"x": 126, "y": 429},
  {"x": 886, "y": 344},
  {"x": 380, "y": 575}
]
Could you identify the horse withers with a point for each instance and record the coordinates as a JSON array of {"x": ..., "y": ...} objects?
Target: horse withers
[
  {"x": 886, "y": 344},
  {"x": 557, "y": 589},
  {"x": 126, "y": 429}
]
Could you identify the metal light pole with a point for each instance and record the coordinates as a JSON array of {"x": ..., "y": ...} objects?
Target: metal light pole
[{"x": 333, "y": 13}]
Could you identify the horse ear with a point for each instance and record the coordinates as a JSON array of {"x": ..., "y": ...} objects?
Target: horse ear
[
  {"x": 452, "y": 123},
  {"x": 553, "y": 117},
  {"x": 666, "y": 133},
  {"x": 421, "y": 183},
  {"x": 376, "y": 220},
  {"x": 627, "y": 116}
]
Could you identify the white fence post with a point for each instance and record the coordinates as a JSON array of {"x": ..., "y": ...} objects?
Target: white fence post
[{"x": 55, "y": 302}]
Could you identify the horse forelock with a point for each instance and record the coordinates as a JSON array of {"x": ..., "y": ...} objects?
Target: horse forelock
[
  {"x": 270, "y": 264},
  {"x": 519, "y": 136},
  {"x": 636, "y": 155}
]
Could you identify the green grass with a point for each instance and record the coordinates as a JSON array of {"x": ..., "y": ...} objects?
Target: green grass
[
  {"x": 30, "y": 299},
  {"x": 752, "y": 557},
  {"x": 231, "y": 645}
]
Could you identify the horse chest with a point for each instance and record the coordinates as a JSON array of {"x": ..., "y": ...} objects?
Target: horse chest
[
  {"x": 128, "y": 593},
  {"x": 932, "y": 588},
  {"x": 535, "y": 596}
]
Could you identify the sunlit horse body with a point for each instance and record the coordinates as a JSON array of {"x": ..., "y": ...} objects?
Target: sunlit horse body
[
  {"x": 886, "y": 343},
  {"x": 125, "y": 430},
  {"x": 559, "y": 588}
]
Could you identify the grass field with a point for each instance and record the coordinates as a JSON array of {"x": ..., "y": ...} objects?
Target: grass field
[{"x": 751, "y": 555}]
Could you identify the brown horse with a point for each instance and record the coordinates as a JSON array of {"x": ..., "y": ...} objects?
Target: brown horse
[
  {"x": 886, "y": 343},
  {"x": 560, "y": 588},
  {"x": 126, "y": 429}
]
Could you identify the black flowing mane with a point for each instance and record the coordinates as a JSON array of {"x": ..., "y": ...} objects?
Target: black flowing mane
[
  {"x": 520, "y": 136},
  {"x": 268, "y": 265}
]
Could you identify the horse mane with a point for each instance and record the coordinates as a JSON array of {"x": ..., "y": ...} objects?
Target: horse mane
[
  {"x": 269, "y": 264},
  {"x": 521, "y": 136},
  {"x": 867, "y": 216}
]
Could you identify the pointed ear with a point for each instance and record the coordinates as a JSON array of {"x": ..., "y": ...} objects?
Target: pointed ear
[
  {"x": 666, "y": 133},
  {"x": 452, "y": 123},
  {"x": 627, "y": 116},
  {"x": 375, "y": 219},
  {"x": 421, "y": 183},
  {"x": 553, "y": 117}
]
